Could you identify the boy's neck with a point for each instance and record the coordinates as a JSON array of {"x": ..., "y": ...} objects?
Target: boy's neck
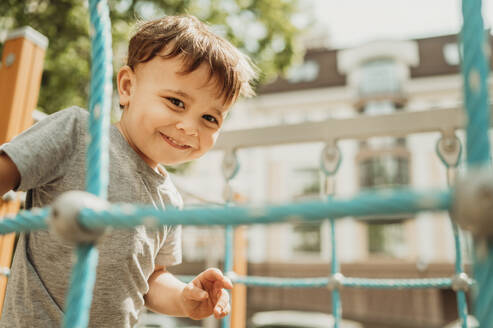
[{"x": 149, "y": 162}]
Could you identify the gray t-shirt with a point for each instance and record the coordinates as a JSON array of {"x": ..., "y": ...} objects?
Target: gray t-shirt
[{"x": 50, "y": 157}]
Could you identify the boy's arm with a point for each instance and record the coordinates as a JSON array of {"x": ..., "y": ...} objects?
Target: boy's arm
[
  {"x": 9, "y": 175},
  {"x": 198, "y": 299}
]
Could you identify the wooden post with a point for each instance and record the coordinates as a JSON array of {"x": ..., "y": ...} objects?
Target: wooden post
[
  {"x": 239, "y": 304},
  {"x": 20, "y": 79}
]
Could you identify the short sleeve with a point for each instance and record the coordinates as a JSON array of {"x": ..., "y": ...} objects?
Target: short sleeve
[
  {"x": 40, "y": 153},
  {"x": 170, "y": 253}
]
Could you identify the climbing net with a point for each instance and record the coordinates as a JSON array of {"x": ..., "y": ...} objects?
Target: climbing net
[{"x": 468, "y": 201}]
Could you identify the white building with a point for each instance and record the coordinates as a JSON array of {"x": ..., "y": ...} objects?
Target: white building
[{"x": 406, "y": 92}]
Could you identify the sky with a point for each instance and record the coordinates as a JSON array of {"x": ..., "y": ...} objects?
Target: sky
[{"x": 352, "y": 22}]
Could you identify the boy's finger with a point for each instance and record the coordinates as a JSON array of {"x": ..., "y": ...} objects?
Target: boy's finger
[
  {"x": 227, "y": 283},
  {"x": 223, "y": 313},
  {"x": 194, "y": 293},
  {"x": 214, "y": 274},
  {"x": 224, "y": 283},
  {"x": 222, "y": 304}
]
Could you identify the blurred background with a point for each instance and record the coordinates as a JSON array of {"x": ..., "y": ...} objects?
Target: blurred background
[{"x": 319, "y": 60}]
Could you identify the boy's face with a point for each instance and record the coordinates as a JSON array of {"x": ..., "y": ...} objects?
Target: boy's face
[{"x": 169, "y": 117}]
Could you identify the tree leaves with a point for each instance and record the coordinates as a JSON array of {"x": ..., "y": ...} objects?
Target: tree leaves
[{"x": 261, "y": 28}]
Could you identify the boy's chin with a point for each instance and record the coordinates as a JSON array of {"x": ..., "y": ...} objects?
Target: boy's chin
[{"x": 174, "y": 163}]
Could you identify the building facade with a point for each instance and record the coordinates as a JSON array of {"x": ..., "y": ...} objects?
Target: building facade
[{"x": 375, "y": 80}]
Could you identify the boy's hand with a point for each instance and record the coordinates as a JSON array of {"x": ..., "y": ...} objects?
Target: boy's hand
[{"x": 205, "y": 295}]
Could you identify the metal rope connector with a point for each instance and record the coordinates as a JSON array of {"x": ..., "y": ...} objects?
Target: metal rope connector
[
  {"x": 63, "y": 218},
  {"x": 473, "y": 202},
  {"x": 335, "y": 281},
  {"x": 4, "y": 271},
  {"x": 9, "y": 196},
  {"x": 449, "y": 149},
  {"x": 461, "y": 281}
]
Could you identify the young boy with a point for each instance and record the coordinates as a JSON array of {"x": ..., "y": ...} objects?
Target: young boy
[{"x": 178, "y": 84}]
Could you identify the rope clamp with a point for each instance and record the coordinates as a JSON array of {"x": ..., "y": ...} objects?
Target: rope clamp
[
  {"x": 9, "y": 196},
  {"x": 461, "y": 282},
  {"x": 330, "y": 158},
  {"x": 230, "y": 165},
  {"x": 449, "y": 149},
  {"x": 336, "y": 281},
  {"x": 63, "y": 219},
  {"x": 4, "y": 271}
]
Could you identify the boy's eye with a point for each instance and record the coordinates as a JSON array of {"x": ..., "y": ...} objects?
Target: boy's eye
[
  {"x": 210, "y": 118},
  {"x": 176, "y": 102}
]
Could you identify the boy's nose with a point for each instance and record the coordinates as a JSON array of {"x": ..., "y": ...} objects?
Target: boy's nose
[{"x": 188, "y": 128}]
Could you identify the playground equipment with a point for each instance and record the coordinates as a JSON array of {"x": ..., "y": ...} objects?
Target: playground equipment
[
  {"x": 475, "y": 71},
  {"x": 20, "y": 79}
]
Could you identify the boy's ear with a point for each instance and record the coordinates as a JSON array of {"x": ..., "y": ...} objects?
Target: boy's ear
[{"x": 125, "y": 80}]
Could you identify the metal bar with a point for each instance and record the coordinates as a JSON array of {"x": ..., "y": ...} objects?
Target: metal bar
[{"x": 362, "y": 127}]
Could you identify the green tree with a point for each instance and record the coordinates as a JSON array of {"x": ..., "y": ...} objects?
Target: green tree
[{"x": 263, "y": 29}]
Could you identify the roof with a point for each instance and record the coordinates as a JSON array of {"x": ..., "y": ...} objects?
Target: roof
[{"x": 432, "y": 62}]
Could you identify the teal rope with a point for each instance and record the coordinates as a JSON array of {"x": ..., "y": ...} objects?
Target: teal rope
[
  {"x": 461, "y": 295},
  {"x": 329, "y": 167},
  {"x": 84, "y": 272},
  {"x": 475, "y": 72},
  {"x": 362, "y": 205},
  {"x": 483, "y": 273},
  {"x": 321, "y": 282},
  {"x": 78, "y": 302},
  {"x": 256, "y": 281},
  {"x": 25, "y": 221},
  {"x": 318, "y": 282},
  {"x": 398, "y": 283},
  {"x": 100, "y": 100},
  {"x": 336, "y": 297}
]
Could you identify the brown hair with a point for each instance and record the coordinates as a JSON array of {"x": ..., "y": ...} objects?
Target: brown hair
[{"x": 189, "y": 38}]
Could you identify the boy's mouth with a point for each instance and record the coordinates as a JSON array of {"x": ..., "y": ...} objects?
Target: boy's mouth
[{"x": 174, "y": 142}]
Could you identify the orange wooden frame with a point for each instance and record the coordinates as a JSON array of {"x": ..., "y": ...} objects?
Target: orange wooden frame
[{"x": 20, "y": 80}]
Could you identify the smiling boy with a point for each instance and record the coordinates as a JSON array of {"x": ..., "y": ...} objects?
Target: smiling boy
[
  {"x": 160, "y": 103},
  {"x": 179, "y": 83}
]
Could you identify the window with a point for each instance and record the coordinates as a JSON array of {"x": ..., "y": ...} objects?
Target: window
[
  {"x": 306, "y": 72},
  {"x": 387, "y": 170},
  {"x": 379, "y": 77},
  {"x": 385, "y": 165},
  {"x": 386, "y": 239},
  {"x": 307, "y": 237}
]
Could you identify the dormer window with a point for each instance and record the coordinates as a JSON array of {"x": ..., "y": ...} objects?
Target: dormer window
[{"x": 379, "y": 77}]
